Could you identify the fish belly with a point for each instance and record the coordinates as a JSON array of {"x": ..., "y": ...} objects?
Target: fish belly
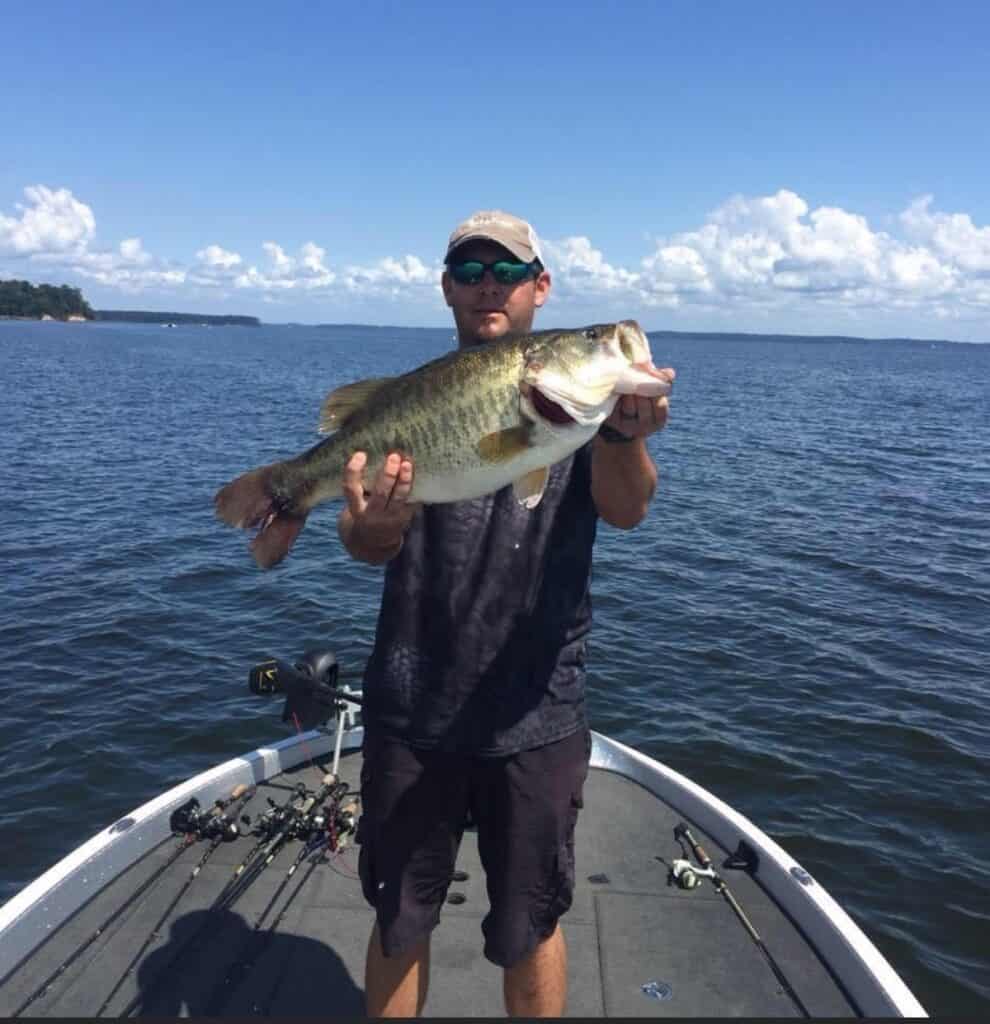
[{"x": 432, "y": 487}]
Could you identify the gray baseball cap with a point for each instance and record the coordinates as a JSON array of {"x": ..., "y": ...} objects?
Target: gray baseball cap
[{"x": 509, "y": 231}]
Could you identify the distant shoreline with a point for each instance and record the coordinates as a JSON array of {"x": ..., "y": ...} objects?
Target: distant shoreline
[
  {"x": 143, "y": 317},
  {"x": 193, "y": 319},
  {"x": 687, "y": 335}
]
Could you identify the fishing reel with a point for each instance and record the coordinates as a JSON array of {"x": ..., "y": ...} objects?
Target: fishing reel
[
  {"x": 688, "y": 875},
  {"x": 191, "y": 819},
  {"x": 310, "y": 688}
]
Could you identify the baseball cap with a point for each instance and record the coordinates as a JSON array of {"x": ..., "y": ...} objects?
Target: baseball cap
[{"x": 509, "y": 231}]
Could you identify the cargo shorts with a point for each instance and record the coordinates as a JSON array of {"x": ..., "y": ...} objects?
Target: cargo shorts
[{"x": 415, "y": 804}]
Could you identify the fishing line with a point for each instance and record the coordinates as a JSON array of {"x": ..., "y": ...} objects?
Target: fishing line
[{"x": 305, "y": 745}]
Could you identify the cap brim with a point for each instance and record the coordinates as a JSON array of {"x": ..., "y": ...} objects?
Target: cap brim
[{"x": 520, "y": 252}]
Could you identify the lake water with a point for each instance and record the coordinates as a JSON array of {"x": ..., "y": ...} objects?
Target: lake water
[{"x": 802, "y": 624}]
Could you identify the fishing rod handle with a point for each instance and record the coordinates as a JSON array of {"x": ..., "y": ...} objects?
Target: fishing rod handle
[{"x": 696, "y": 848}]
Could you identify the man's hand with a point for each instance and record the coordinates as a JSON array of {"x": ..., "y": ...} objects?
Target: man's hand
[
  {"x": 635, "y": 416},
  {"x": 373, "y": 524},
  {"x": 623, "y": 476}
]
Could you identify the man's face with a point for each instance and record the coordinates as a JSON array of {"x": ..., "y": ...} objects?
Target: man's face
[{"x": 489, "y": 310}]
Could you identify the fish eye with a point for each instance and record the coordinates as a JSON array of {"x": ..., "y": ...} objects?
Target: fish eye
[{"x": 591, "y": 334}]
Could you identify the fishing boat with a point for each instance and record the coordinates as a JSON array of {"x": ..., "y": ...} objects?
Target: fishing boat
[{"x": 236, "y": 892}]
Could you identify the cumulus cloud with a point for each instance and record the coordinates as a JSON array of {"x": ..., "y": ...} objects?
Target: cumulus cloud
[
  {"x": 774, "y": 251},
  {"x": 216, "y": 256},
  {"x": 578, "y": 263},
  {"x": 953, "y": 236},
  {"x": 307, "y": 271},
  {"x": 390, "y": 275},
  {"x": 752, "y": 254},
  {"x": 55, "y": 229},
  {"x": 52, "y": 221}
]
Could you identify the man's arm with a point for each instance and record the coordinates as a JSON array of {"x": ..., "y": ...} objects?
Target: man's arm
[
  {"x": 623, "y": 476},
  {"x": 372, "y": 527}
]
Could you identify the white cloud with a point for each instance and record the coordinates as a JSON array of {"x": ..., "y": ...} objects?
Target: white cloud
[
  {"x": 307, "y": 271},
  {"x": 953, "y": 235},
  {"x": 753, "y": 256},
  {"x": 390, "y": 276},
  {"x": 131, "y": 251},
  {"x": 771, "y": 252},
  {"x": 215, "y": 256},
  {"x": 581, "y": 266},
  {"x": 54, "y": 221}
]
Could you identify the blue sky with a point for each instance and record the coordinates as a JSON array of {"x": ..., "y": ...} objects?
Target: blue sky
[{"x": 811, "y": 168}]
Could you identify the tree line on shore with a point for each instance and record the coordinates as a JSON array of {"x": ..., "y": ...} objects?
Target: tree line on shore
[
  {"x": 21, "y": 298},
  {"x": 60, "y": 302}
]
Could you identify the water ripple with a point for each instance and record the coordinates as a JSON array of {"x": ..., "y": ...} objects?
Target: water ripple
[{"x": 800, "y": 625}]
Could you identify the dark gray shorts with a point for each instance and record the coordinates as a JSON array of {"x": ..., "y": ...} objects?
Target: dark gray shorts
[{"x": 414, "y": 806}]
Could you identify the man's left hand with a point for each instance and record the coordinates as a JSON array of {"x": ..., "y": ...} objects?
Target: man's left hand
[{"x": 635, "y": 416}]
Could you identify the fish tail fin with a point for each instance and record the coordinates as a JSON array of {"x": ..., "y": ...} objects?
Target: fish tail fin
[
  {"x": 275, "y": 539},
  {"x": 251, "y": 501}
]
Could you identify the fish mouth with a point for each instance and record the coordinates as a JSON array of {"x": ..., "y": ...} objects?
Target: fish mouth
[{"x": 548, "y": 409}]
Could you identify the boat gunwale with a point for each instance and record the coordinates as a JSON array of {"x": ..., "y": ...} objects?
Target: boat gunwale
[
  {"x": 26, "y": 920},
  {"x": 46, "y": 904},
  {"x": 855, "y": 962}
]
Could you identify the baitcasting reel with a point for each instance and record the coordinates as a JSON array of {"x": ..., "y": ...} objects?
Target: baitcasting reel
[{"x": 191, "y": 819}]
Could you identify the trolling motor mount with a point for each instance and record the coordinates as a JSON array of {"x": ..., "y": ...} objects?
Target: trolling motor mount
[{"x": 310, "y": 687}]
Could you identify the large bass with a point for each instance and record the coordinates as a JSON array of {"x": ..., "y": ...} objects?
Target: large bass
[{"x": 472, "y": 422}]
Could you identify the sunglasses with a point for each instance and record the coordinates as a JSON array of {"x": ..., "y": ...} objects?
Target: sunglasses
[{"x": 504, "y": 271}]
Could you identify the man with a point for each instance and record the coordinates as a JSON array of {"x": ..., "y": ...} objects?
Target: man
[{"x": 475, "y": 689}]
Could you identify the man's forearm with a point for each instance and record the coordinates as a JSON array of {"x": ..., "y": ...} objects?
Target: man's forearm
[
  {"x": 623, "y": 481},
  {"x": 359, "y": 547}
]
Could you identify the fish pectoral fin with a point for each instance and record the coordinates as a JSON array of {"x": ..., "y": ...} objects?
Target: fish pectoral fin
[
  {"x": 529, "y": 489},
  {"x": 343, "y": 402},
  {"x": 504, "y": 444}
]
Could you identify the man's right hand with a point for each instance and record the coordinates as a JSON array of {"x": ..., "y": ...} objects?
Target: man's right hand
[{"x": 373, "y": 524}]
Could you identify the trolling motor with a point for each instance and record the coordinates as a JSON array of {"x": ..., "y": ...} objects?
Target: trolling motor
[{"x": 310, "y": 687}]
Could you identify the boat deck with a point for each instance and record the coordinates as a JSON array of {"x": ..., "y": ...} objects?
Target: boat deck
[{"x": 637, "y": 947}]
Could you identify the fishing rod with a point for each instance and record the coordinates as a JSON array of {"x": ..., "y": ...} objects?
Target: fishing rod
[
  {"x": 267, "y": 822},
  {"x": 285, "y": 825},
  {"x": 322, "y": 832},
  {"x": 219, "y": 830},
  {"x": 281, "y": 821},
  {"x": 341, "y": 826},
  {"x": 266, "y": 826},
  {"x": 187, "y": 821},
  {"x": 688, "y": 878}
]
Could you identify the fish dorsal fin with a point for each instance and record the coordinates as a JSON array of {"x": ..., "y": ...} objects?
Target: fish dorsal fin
[
  {"x": 529, "y": 488},
  {"x": 503, "y": 445},
  {"x": 345, "y": 401}
]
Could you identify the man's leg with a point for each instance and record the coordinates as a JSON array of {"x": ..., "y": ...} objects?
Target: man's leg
[
  {"x": 526, "y": 808},
  {"x": 537, "y": 985},
  {"x": 395, "y": 986},
  {"x": 413, "y": 807}
]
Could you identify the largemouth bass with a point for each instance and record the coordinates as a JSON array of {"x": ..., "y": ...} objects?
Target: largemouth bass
[{"x": 472, "y": 421}]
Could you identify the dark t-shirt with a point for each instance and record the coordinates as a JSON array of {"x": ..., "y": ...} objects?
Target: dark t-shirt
[{"x": 480, "y": 645}]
